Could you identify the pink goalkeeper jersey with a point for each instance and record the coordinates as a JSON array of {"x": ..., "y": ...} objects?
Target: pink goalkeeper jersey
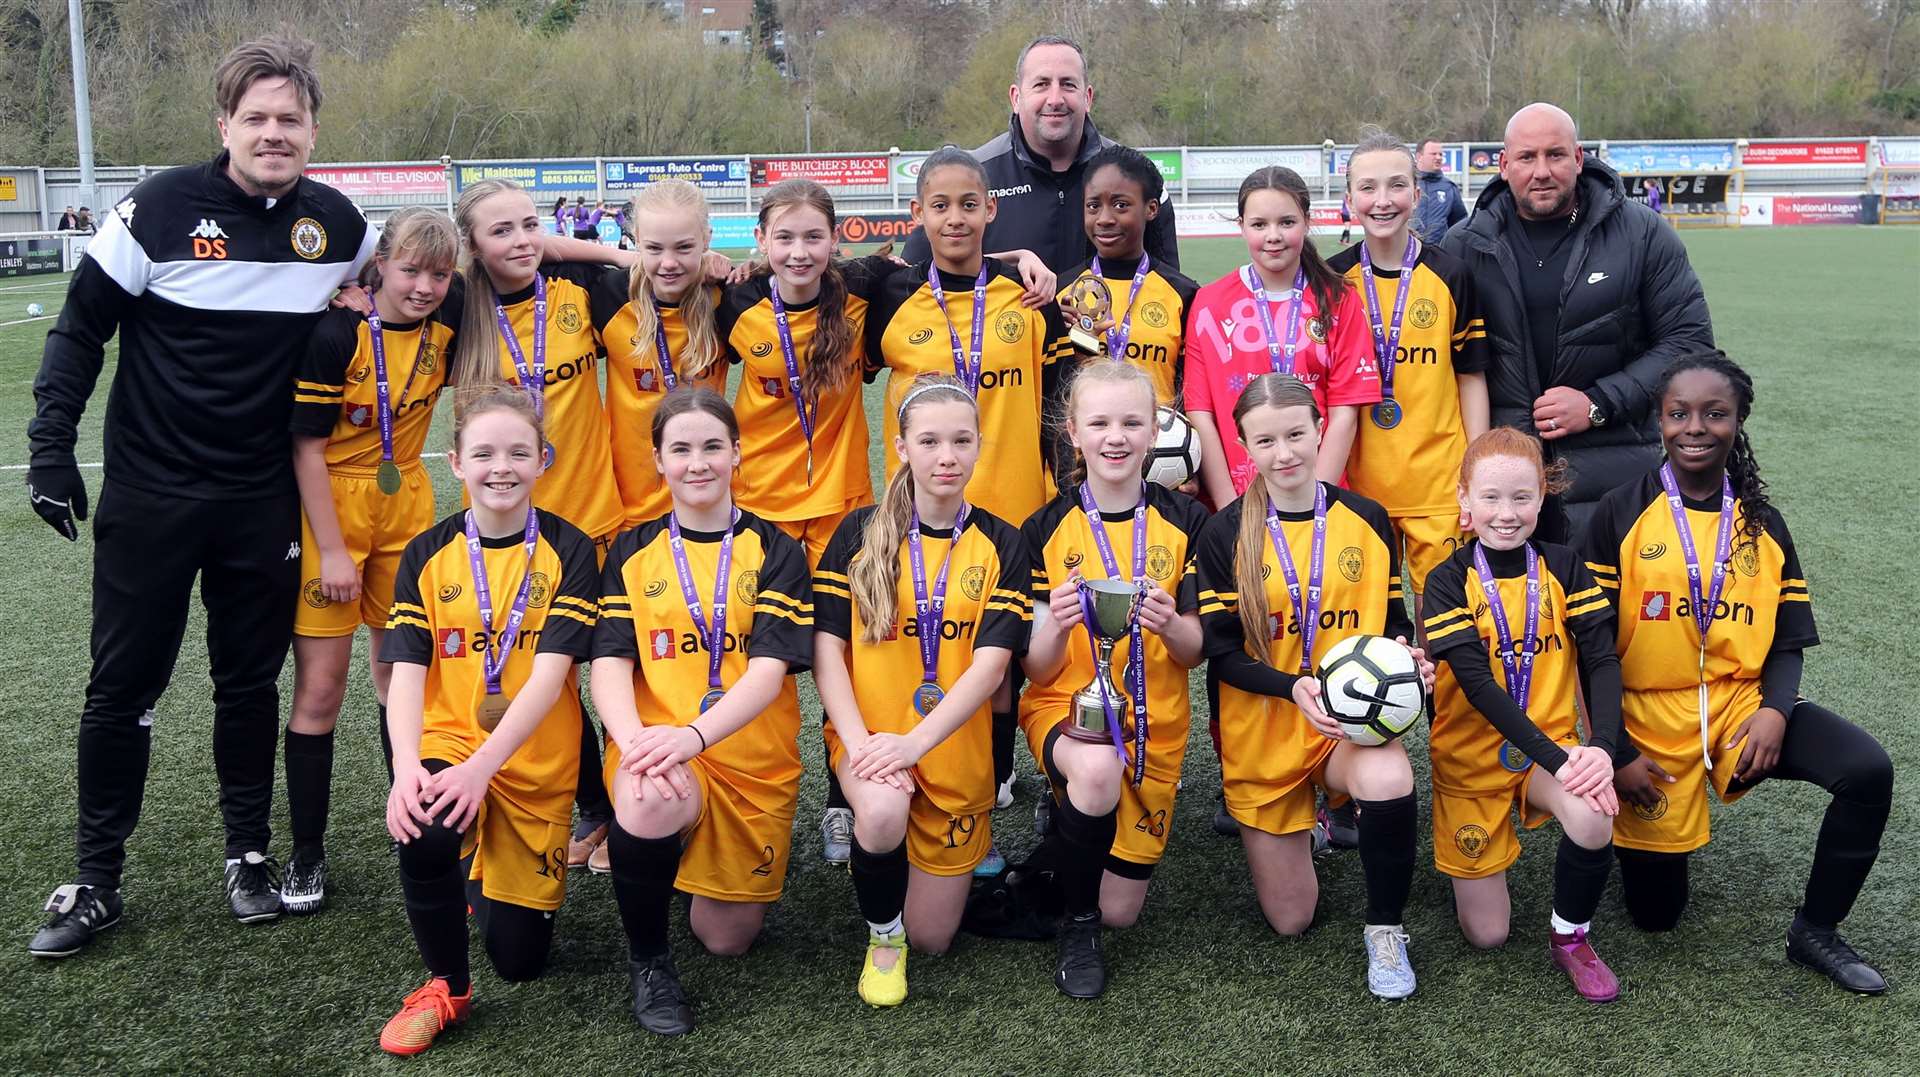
[{"x": 1226, "y": 347}]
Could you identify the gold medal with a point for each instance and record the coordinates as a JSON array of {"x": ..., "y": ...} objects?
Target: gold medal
[
  {"x": 492, "y": 708},
  {"x": 388, "y": 478}
]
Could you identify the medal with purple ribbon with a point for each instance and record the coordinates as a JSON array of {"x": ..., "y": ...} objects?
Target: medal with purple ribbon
[
  {"x": 793, "y": 371},
  {"x": 1705, "y": 603},
  {"x": 533, "y": 378},
  {"x": 1306, "y": 613},
  {"x": 1135, "y": 674},
  {"x": 966, "y": 364},
  {"x": 1279, "y": 356},
  {"x": 714, "y": 635},
  {"x": 388, "y": 475},
  {"x": 1117, "y": 337},
  {"x": 929, "y": 609},
  {"x": 494, "y": 653},
  {"x": 1386, "y": 338},
  {"x": 662, "y": 355},
  {"x": 1517, "y": 662}
]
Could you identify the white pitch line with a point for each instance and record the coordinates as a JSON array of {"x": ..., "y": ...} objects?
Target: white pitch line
[
  {"x": 23, "y": 467},
  {"x": 37, "y": 287},
  {"x": 23, "y": 321}
]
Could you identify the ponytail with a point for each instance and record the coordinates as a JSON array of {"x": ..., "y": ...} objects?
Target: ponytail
[
  {"x": 831, "y": 361},
  {"x": 1249, "y": 555}
]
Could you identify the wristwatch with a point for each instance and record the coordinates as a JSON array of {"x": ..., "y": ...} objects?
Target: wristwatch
[{"x": 1595, "y": 416}]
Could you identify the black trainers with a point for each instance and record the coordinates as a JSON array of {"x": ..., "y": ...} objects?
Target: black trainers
[
  {"x": 1343, "y": 827},
  {"x": 304, "y": 889},
  {"x": 1043, "y": 814},
  {"x": 1224, "y": 824},
  {"x": 1081, "y": 970},
  {"x": 79, "y": 913},
  {"x": 253, "y": 888},
  {"x": 1825, "y": 952},
  {"x": 659, "y": 1002}
]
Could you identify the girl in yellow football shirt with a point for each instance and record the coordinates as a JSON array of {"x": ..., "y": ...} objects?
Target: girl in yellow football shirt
[
  {"x": 363, "y": 400},
  {"x": 922, "y": 603}
]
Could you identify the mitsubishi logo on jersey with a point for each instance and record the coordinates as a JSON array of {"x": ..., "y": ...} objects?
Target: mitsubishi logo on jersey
[
  {"x": 208, "y": 240},
  {"x": 660, "y": 643},
  {"x": 1655, "y": 606}
]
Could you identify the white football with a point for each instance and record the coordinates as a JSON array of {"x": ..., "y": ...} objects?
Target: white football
[
  {"x": 1175, "y": 456},
  {"x": 1371, "y": 686},
  {"x": 34, "y": 310}
]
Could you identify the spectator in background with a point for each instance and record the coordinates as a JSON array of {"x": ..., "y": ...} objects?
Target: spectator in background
[
  {"x": 1588, "y": 295},
  {"x": 83, "y": 221},
  {"x": 1653, "y": 194},
  {"x": 1036, "y": 172},
  {"x": 1441, "y": 204},
  {"x": 69, "y": 222}
]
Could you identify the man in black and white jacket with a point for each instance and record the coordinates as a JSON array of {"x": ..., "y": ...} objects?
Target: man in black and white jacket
[
  {"x": 1588, "y": 295},
  {"x": 212, "y": 275}
]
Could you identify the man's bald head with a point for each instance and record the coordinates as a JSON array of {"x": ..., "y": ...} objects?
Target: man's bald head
[
  {"x": 1541, "y": 160},
  {"x": 1541, "y": 117}
]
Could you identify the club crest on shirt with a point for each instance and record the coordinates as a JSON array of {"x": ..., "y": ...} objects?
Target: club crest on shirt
[
  {"x": 1659, "y": 807},
  {"x": 920, "y": 336},
  {"x": 313, "y": 595},
  {"x": 654, "y": 588},
  {"x": 1159, "y": 562},
  {"x": 449, "y": 592},
  {"x": 1746, "y": 558},
  {"x": 1423, "y": 313},
  {"x": 1154, "y": 314},
  {"x": 309, "y": 239},
  {"x": 1010, "y": 327},
  {"x": 539, "y": 590},
  {"x": 1471, "y": 840},
  {"x": 973, "y": 582},
  {"x": 1317, "y": 329},
  {"x": 762, "y": 349},
  {"x": 429, "y": 358},
  {"x": 747, "y": 587},
  {"x": 569, "y": 319},
  {"x": 1653, "y": 551},
  {"x": 1351, "y": 563}
]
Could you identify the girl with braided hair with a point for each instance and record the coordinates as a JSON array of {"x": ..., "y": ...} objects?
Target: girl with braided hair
[{"x": 1714, "y": 615}]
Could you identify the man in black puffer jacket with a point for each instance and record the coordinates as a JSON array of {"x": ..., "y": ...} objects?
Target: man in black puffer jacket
[{"x": 1588, "y": 295}]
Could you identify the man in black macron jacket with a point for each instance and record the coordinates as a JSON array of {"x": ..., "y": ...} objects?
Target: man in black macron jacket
[{"x": 212, "y": 275}]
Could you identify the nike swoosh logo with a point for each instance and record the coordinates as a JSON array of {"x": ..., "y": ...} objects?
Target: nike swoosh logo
[
  {"x": 1595, "y": 278},
  {"x": 1353, "y": 693}
]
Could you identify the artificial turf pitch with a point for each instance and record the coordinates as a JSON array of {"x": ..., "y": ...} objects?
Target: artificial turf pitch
[{"x": 1823, "y": 317}]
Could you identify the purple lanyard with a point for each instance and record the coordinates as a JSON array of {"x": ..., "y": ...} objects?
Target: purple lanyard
[
  {"x": 715, "y": 634},
  {"x": 665, "y": 357},
  {"x": 1117, "y": 338},
  {"x": 1136, "y": 672},
  {"x": 793, "y": 371},
  {"x": 1282, "y": 363},
  {"x": 1307, "y": 615},
  {"x": 1386, "y": 340},
  {"x": 381, "y": 394},
  {"x": 929, "y": 609},
  {"x": 966, "y": 365},
  {"x": 493, "y": 659},
  {"x": 1517, "y": 662},
  {"x": 534, "y": 378},
  {"x": 1703, "y": 605}
]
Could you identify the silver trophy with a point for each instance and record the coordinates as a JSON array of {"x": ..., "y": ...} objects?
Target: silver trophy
[{"x": 1114, "y": 603}]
